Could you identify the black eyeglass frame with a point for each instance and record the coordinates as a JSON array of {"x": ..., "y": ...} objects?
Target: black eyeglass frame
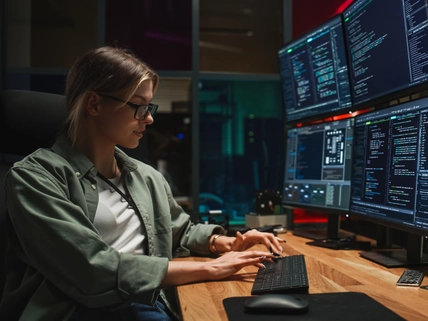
[{"x": 152, "y": 108}]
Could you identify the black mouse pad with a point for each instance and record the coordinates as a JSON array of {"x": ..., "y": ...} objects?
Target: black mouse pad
[{"x": 347, "y": 306}]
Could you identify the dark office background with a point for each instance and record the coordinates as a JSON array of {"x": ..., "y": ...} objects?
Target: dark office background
[{"x": 219, "y": 133}]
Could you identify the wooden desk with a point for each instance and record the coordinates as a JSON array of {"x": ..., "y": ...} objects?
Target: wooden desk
[{"x": 328, "y": 271}]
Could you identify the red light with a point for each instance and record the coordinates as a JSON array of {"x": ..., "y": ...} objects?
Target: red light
[{"x": 343, "y": 6}]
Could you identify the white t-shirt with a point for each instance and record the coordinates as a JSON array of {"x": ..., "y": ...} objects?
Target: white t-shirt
[{"x": 116, "y": 220}]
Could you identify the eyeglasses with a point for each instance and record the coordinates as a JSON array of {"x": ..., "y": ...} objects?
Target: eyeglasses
[{"x": 141, "y": 111}]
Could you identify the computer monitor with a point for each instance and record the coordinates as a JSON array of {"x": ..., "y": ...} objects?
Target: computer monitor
[
  {"x": 314, "y": 73},
  {"x": 318, "y": 172},
  {"x": 389, "y": 183},
  {"x": 387, "y": 47}
]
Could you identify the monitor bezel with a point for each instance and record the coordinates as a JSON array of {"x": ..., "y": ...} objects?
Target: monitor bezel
[
  {"x": 380, "y": 220},
  {"x": 314, "y": 208},
  {"x": 382, "y": 99},
  {"x": 321, "y": 114}
]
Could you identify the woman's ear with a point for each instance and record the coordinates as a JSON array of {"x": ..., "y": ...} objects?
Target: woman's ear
[{"x": 92, "y": 103}]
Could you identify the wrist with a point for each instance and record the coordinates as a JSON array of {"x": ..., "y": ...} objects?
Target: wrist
[
  {"x": 214, "y": 244},
  {"x": 220, "y": 243}
]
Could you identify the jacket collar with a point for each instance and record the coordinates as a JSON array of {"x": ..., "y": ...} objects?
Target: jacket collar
[{"x": 81, "y": 164}]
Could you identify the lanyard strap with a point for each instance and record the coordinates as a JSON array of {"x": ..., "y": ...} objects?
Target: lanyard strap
[{"x": 126, "y": 197}]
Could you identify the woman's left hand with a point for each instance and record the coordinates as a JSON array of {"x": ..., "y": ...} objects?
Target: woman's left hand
[{"x": 253, "y": 237}]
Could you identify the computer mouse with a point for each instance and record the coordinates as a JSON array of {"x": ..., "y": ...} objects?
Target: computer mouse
[{"x": 275, "y": 303}]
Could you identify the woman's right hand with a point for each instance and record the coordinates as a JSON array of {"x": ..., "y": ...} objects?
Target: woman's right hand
[
  {"x": 185, "y": 272},
  {"x": 231, "y": 262}
]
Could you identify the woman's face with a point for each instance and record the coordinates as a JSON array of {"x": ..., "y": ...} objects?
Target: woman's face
[{"x": 118, "y": 125}]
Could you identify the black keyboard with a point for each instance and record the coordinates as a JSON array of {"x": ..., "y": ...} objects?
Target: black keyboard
[{"x": 286, "y": 275}]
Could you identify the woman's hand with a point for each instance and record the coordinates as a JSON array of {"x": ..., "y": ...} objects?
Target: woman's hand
[
  {"x": 184, "y": 272},
  {"x": 253, "y": 237},
  {"x": 231, "y": 262}
]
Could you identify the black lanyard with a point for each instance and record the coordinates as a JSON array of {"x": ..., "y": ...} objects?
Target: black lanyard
[{"x": 126, "y": 197}]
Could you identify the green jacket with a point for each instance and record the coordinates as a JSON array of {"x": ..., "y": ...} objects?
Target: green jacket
[{"x": 57, "y": 257}]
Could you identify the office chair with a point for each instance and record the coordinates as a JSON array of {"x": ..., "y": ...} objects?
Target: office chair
[{"x": 28, "y": 120}]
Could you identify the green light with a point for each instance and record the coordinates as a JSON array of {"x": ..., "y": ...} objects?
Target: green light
[
  {"x": 251, "y": 116},
  {"x": 289, "y": 50},
  {"x": 251, "y": 133}
]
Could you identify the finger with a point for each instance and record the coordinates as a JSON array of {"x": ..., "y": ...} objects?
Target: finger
[
  {"x": 257, "y": 255},
  {"x": 273, "y": 248},
  {"x": 280, "y": 240},
  {"x": 263, "y": 259},
  {"x": 275, "y": 245},
  {"x": 239, "y": 237},
  {"x": 245, "y": 241},
  {"x": 237, "y": 243},
  {"x": 278, "y": 247},
  {"x": 268, "y": 241}
]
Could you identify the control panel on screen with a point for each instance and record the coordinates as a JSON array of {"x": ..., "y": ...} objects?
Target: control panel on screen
[
  {"x": 318, "y": 165},
  {"x": 314, "y": 73},
  {"x": 387, "y": 47}
]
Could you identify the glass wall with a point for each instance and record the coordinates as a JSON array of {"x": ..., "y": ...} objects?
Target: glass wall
[
  {"x": 241, "y": 149},
  {"x": 43, "y": 38},
  {"x": 239, "y": 113},
  {"x": 240, "y": 36},
  {"x": 159, "y": 31}
]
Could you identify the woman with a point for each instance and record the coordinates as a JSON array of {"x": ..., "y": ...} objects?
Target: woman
[{"x": 94, "y": 231}]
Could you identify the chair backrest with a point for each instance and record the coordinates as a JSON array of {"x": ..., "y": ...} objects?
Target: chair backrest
[
  {"x": 3, "y": 237},
  {"x": 28, "y": 120}
]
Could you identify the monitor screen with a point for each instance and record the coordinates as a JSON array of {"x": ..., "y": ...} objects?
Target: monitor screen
[
  {"x": 314, "y": 73},
  {"x": 389, "y": 182},
  {"x": 318, "y": 166},
  {"x": 387, "y": 47}
]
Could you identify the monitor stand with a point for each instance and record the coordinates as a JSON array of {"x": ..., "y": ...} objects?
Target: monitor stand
[
  {"x": 331, "y": 232},
  {"x": 333, "y": 237},
  {"x": 399, "y": 257},
  {"x": 342, "y": 243}
]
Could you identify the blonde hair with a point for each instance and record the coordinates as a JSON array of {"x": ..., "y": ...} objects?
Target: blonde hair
[{"x": 105, "y": 70}]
